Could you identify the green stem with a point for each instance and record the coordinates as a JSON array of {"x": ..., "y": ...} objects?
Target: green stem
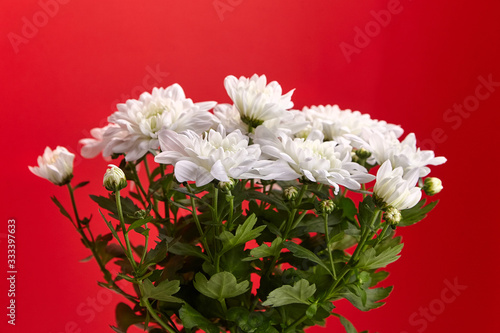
[
  {"x": 145, "y": 247},
  {"x": 75, "y": 210},
  {"x": 92, "y": 247},
  {"x": 327, "y": 236},
  {"x": 380, "y": 237},
  {"x": 124, "y": 230},
  {"x": 156, "y": 317},
  {"x": 165, "y": 190},
  {"x": 194, "y": 213},
  {"x": 296, "y": 322}
]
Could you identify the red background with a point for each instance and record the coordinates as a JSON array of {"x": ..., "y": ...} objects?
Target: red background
[{"x": 69, "y": 71}]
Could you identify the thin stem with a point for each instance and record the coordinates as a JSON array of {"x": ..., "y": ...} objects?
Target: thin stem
[
  {"x": 156, "y": 317},
  {"x": 197, "y": 221},
  {"x": 124, "y": 230},
  {"x": 75, "y": 210},
  {"x": 145, "y": 246},
  {"x": 327, "y": 236},
  {"x": 380, "y": 237},
  {"x": 92, "y": 247},
  {"x": 296, "y": 322}
]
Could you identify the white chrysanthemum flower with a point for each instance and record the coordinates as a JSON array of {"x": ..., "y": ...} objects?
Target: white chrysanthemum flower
[
  {"x": 336, "y": 123},
  {"x": 324, "y": 162},
  {"x": 396, "y": 189},
  {"x": 135, "y": 126},
  {"x": 214, "y": 155},
  {"x": 229, "y": 117},
  {"x": 257, "y": 101},
  {"x": 101, "y": 138},
  {"x": 55, "y": 166},
  {"x": 403, "y": 154}
]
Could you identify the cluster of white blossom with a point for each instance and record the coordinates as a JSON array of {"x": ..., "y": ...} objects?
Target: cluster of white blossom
[{"x": 260, "y": 136}]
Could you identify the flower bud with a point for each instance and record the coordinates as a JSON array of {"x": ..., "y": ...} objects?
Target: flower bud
[
  {"x": 363, "y": 154},
  {"x": 326, "y": 206},
  {"x": 227, "y": 186},
  {"x": 114, "y": 179},
  {"x": 290, "y": 193},
  {"x": 432, "y": 185},
  {"x": 392, "y": 215}
]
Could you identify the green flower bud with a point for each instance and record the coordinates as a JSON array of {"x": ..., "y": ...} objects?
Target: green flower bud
[
  {"x": 326, "y": 206},
  {"x": 114, "y": 179},
  {"x": 227, "y": 186},
  {"x": 432, "y": 185},
  {"x": 362, "y": 153},
  {"x": 392, "y": 215},
  {"x": 290, "y": 193}
]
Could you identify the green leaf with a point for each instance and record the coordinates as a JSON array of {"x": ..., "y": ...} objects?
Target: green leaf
[
  {"x": 416, "y": 213},
  {"x": 265, "y": 250},
  {"x": 371, "y": 260},
  {"x": 303, "y": 253},
  {"x": 348, "y": 208},
  {"x": 366, "y": 209},
  {"x": 82, "y": 184},
  {"x": 186, "y": 249},
  {"x": 139, "y": 223},
  {"x": 191, "y": 318},
  {"x": 271, "y": 199},
  {"x": 61, "y": 208},
  {"x": 163, "y": 291},
  {"x": 126, "y": 317},
  {"x": 111, "y": 228},
  {"x": 349, "y": 327},
  {"x": 244, "y": 233},
  {"x": 373, "y": 297},
  {"x": 221, "y": 285},
  {"x": 299, "y": 293},
  {"x": 157, "y": 254}
]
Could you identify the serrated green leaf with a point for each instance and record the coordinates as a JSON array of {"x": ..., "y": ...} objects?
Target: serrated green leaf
[
  {"x": 349, "y": 209},
  {"x": 111, "y": 228},
  {"x": 163, "y": 291},
  {"x": 191, "y": 318},
  {"x": 416, "y": 213},
  {"x": 299, "y": 293},
  {"x": 186, "y": 249},
  {"x": 371, "y": 260},
  {"x": 244, "y": 233},
  {"x": 265, "y": 250},
  {"x": 303, "y": 253},
  {"x": 220, "y": 286},
  {"x": 373, "y": 297}
]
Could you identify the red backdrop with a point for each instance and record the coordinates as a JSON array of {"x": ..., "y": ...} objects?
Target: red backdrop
[{"x": 430, "y": 66}]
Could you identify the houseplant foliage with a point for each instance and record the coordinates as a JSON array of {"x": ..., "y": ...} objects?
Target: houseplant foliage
[{"x": 253, "y": 217}]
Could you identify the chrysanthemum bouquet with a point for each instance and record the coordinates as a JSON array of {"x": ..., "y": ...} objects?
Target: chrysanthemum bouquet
[{"x": 251, "y": 218}]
